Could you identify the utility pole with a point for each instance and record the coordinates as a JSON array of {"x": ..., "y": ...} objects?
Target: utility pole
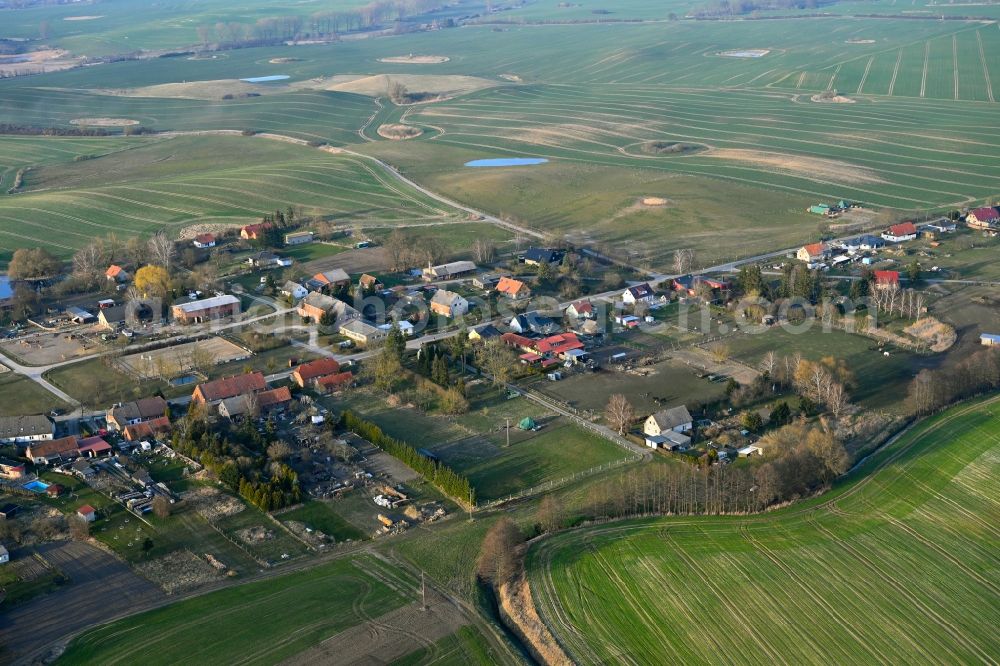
[
  {"x": 423, "y": 592},
  {"x": 508, "y": 432}
]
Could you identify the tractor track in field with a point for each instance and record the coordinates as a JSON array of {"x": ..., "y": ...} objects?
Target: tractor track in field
[{"x": 986, "y": 69}]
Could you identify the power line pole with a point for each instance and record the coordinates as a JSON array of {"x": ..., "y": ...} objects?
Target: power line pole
[
  {"x": 508, "y": 431},
  {"x": 423, "y": 592}
]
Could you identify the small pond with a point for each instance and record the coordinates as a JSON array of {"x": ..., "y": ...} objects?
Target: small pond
[{"x": 507, "y": 161}]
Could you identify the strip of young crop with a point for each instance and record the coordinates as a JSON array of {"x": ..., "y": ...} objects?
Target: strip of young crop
[{"x": 893, "y": 565}]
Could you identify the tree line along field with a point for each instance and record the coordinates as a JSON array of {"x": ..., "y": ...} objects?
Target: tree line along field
[
  {"x": 897, "y": 564},
  {"x": 148, "y": 185}
]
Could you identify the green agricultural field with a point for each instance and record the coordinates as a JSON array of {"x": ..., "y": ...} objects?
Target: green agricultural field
[
  {"x": 896, "y": 564},
  {"x": 592, "y": 98},
  {"x": 301, "y": 609},
  {"x": 152, "y": 185}
]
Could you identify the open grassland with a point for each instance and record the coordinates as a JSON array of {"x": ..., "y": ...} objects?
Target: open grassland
[
  {"x": 154, "y": 185},
  {"x": 301, "y": 609},
  {"x": 897, "y": 564}
]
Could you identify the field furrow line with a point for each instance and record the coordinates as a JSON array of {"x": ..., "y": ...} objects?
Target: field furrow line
[
  {"x": 833, "y": 78},
  {"x": 774, "y": 655},
  {"x": 923, "y": 77},
  {"x": 986, "y": 70},
  {"x": 954, "y": 61},
  {"x": 895, "y": 72},
  {"x": 927, "y": 611},
  {"x": 744, "y": 531}
]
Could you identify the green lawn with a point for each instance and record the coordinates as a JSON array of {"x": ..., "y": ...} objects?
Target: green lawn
[
  {"x": 97, "y": 385},
  {"x": 557, "y": 451},
  {"x": 319, "y": 515},
  {"x": 20, "y": 395},
  {"x": 262, "y": 622},
  {"x": 900, "y": 558}
]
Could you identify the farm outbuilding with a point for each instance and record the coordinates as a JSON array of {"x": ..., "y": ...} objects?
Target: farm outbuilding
[
  {"x": 989, "y": 339},
  {"x": 527, "y": 423}
]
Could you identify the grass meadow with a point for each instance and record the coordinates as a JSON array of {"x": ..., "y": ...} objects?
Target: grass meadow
[{"x": 898, "y": 563}]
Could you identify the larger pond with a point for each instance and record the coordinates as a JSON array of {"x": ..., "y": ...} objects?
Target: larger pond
[
  {"x": 507, "y": 161},
  {"x": 266, "y": 79}
]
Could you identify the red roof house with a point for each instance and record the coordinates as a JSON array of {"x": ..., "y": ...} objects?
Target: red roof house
[
  {"x": 116, "y": 273},
  {"x": 307, "y": 372},
  {"x": 204, "y": 240},
  {"x": 254, "y": 231},
  {"x": 513, "y": 289},
  {"x": 335, "y": 382},
  {"x": 983, "y": 218},
  {"x": 228, "y": 387},
  {"x": 147, "y": 429},
  {"x": 901, "y": 232},
  {"x": 91, "y": 447},
  {"x": 87, "y": 512},
  {"x": 886, "y": 279}
]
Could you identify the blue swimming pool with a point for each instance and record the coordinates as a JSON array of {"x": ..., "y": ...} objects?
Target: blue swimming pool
[
  {"x": 265, "y": 79},
  {"x": 36, "y": 486},
  {"x": 507, "y": 161}
]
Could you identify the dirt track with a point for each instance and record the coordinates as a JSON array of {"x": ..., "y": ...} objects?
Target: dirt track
[{"x": 102, "y": 588}]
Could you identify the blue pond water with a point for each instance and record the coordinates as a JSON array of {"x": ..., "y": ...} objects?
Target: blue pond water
[
  {"x": 265, "y": 79},
  {"x": 507, "y": 161},
  {"x": 36, "y": 486}
]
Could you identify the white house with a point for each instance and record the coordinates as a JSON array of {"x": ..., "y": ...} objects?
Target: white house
[
  {"x": 294, "y": 290},
  {"x": 668, "y": 440},
  {"x": 449, "y": 304},
  {"x": 675, "y": 419},
  {"x": 4, "y": 555},
  {"x": 640, "y": 293},
  {"x": 899, "y": 233},
  {"x": 751, "y": 450},
  {"x": 204, "y": 241},
  {"x": 405, "y": 327},
  {"x": 20, "y": 429}
]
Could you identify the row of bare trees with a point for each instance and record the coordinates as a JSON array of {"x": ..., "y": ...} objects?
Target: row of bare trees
[
  {"x": 801, "y": 458},
  {"x": 824, "y": 382},
  {"x": 891, "y": 299},
  {"x": 319, "y": 25},
  {"x": 405, "y": 250},
  {"x": 931, "y": 390}
]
